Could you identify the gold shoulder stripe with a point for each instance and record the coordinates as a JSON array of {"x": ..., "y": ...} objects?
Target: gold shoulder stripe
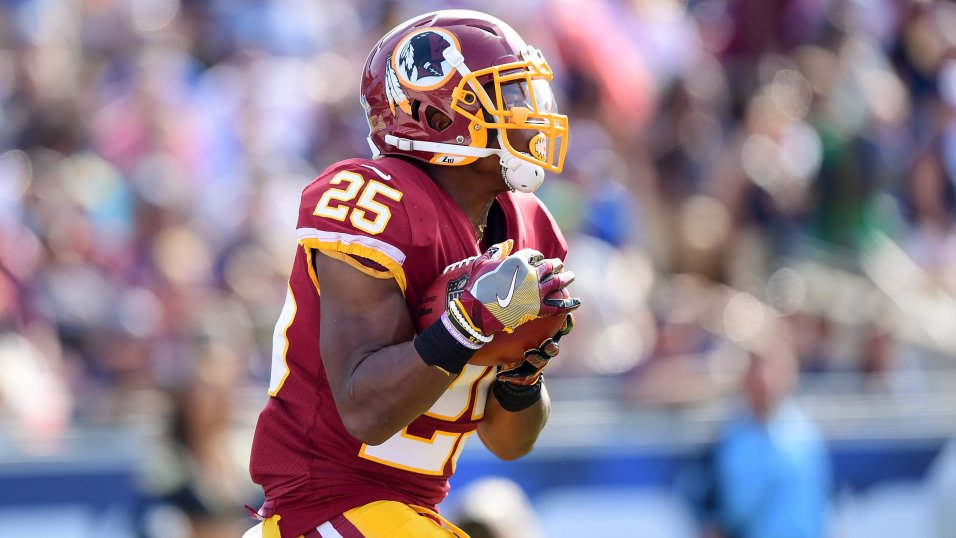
[
  {"x": 347, "y": 258},
  {"x": 341, "y": 250}
]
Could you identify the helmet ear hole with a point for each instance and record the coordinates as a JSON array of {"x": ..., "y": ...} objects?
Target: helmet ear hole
[{"x": 436, "y": 119}]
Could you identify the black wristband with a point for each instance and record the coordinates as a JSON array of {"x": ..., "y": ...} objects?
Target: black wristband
[
  {"x": 439, "y": 348},
  {"x": 516, "y": 398}
]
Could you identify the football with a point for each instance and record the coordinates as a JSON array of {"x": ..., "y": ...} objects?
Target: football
[{"x": 505, "y": 348}]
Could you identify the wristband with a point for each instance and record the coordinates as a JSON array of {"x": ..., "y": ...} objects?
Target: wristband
[
  {"x": 516, "y": 398},
  {"x": 438, "y": 346}
]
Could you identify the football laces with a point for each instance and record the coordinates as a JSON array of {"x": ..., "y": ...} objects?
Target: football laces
[{"x": 459, "y": 264}]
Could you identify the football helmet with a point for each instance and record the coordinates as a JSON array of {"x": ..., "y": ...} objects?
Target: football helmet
[{"x": 437, "y": 86}]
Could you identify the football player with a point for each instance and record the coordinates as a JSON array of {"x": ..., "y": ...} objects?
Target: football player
[{"x": 367, "y": 416}]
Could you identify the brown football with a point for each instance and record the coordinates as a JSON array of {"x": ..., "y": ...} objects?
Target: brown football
[{"x": 505, "y": 348}]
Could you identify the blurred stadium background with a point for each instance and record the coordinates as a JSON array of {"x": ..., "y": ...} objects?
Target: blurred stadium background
[{"x": 746, "y": 178}]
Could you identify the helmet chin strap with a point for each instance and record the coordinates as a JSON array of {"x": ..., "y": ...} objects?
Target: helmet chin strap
[{"x": 520, "y": 175}]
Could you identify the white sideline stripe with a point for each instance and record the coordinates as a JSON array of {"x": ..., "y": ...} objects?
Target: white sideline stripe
[
  {"x": 326, "y": 530},
  {"x": 311, "y": 233}
]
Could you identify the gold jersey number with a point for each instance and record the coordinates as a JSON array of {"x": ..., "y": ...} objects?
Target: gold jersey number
[{"x": 332, "y": 203}]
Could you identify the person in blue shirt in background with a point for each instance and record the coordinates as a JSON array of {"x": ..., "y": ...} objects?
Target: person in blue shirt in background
[{"x": 771, "y": 468}]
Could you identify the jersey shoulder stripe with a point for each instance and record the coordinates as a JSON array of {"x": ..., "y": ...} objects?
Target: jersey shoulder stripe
[{"x": 380, "y": 252}]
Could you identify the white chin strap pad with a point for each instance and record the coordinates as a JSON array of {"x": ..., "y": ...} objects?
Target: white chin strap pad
[{"x": 521, "y": 175}]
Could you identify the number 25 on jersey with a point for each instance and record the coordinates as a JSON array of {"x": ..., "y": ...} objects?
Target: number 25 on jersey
[{"x": 332, "y": 205}]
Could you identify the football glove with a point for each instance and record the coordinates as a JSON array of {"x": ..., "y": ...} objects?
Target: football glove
[
  {"x": 503, "y": 290},
  {"x": 527, "y": 372}
]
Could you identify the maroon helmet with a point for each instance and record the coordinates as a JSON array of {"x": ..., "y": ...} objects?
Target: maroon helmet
[{"x": 434, "y": 86}]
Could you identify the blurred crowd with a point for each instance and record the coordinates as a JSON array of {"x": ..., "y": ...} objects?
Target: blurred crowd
[{"x": 736, "y": 168}]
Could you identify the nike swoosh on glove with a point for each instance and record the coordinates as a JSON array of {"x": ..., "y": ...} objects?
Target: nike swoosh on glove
[{"x": 504, "y": 291}]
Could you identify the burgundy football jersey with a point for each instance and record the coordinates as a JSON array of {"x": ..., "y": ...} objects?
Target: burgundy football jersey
[{"x": 390, "y": 213}]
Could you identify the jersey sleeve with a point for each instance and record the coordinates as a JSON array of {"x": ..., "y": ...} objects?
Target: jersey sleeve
[{"x": 353, "y": 214}]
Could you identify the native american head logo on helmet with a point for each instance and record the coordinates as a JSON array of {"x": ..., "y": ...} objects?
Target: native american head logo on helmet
[
  {"x": 421, "y": 56},
  {"x": 419, "y": 61}
]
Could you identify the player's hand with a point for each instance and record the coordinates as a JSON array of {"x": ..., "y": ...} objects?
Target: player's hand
[
  {"x": 527, "y": 371},
  {"x": 502, "y": 291}
]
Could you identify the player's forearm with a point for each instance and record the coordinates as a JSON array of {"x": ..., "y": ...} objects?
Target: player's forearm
[
  {"x": 387, "y": 390},
  {"x": 511, "y": 435}
]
